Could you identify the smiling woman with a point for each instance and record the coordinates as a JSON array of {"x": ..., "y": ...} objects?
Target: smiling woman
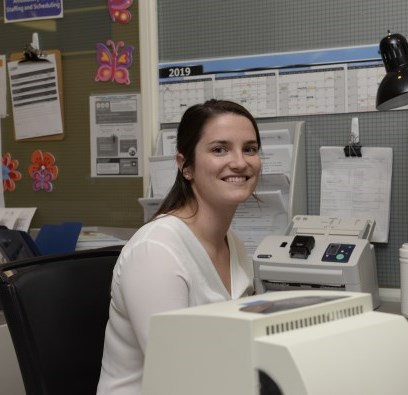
[
  {"x": 187, "y": 255},
  {"x": 226, "y": 167}
]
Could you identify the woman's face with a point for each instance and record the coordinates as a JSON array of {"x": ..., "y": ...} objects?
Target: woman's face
[{"x": 227, "y": 163}]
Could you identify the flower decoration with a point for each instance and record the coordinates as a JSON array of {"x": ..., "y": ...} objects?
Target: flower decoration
[
  {"x": 9, "y": 172},
  {"x": 42, "y": 170}
]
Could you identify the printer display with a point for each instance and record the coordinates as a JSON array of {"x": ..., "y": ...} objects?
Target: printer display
[{"x": 321, "y": 253}]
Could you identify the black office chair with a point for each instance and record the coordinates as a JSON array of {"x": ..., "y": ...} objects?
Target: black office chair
[{"x": 56, "y": 308}]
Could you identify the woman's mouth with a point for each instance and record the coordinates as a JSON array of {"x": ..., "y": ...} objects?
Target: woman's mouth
[{"x": 235, "y": 179}]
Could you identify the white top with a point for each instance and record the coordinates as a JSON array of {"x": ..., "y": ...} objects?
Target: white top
[{"x": 163, "y": 267}]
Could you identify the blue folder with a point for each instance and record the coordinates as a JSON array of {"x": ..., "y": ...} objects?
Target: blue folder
[{"x": 58, "y": 239}]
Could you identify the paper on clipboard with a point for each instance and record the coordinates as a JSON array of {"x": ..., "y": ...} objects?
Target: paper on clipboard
[
  {"x": 35, "y": 98},
  {"x": 3, "y": 87},
  {"x": 358, "y": 186}
]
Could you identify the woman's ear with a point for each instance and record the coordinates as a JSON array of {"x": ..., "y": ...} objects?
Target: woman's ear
[
  {"x": 185, "y": 171},
  {"x": 180, "y": 161}
]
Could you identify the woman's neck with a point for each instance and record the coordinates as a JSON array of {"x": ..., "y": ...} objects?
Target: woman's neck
[{"x": 211, "y": 227}]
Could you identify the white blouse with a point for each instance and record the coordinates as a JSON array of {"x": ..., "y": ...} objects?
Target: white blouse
[{"x": 163, "y": 267}]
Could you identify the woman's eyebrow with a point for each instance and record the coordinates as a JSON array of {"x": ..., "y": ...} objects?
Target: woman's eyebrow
[
  {"x": 218, "y": 142},
  {"x": 230, "y": 142}
]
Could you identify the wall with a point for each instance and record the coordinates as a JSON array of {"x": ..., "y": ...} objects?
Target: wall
[
  {"x": 76, "y": 196},
  {"x": 212, "y": 28}
]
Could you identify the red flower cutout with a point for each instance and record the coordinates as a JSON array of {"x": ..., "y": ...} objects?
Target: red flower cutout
[
  {"x": 43, "y": 162},
  {"x": 9, "y": 172}
]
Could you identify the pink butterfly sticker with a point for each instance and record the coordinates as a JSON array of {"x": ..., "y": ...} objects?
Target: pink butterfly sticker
[
  {"x": 42, "y": 180},
  {"x": 118, "y": 10},
  {"x": 113, "y": 65}
]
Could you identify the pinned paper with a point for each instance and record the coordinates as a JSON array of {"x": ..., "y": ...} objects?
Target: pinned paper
[{"x": 9, "y": 172}]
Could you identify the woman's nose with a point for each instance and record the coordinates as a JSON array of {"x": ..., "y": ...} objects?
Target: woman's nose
[{"x": 238, "y": 160}]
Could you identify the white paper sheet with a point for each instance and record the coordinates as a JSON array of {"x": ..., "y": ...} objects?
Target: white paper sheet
[
  {"x": 274, "y": 137},
  {"x": 163, "y": 171},
  {"x": 169, "y": 140},
  {"x": 358, "y": 186},
  {"x": 277, "y": 159},
  {"x": 116, "y": 135},
  {"x": 17, "y": 218},
  {"x": 35, "y": 98},
  {"x": 253, "y": 220},
  {"x": 273, "y": 182},
  {"x": 3, "y": 87}
]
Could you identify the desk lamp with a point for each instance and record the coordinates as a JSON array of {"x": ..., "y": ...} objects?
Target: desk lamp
[{"x": 393, "y": 90}]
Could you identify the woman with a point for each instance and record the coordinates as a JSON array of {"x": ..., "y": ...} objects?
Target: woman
[{"x": 187, "y": 255}]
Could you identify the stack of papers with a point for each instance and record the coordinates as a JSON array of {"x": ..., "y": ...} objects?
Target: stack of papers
[
  {"x": 92, "y": 239},
  {"x": 17, "y": 218}
]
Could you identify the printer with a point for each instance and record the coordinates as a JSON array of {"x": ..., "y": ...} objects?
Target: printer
[
  {"x": 319, "y": 252},
  {"x": 306, "y": 342}
]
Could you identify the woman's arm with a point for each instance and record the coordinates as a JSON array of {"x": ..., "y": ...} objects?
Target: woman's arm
[{"x": 152, "y": 280}]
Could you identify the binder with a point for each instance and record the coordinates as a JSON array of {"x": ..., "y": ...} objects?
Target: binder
[{"x": 58, "y": 239}]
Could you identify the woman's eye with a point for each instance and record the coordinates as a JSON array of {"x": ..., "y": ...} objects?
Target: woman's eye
[
  {"x": 253, "y": 150},
  {"x": 219, "y": 150}
]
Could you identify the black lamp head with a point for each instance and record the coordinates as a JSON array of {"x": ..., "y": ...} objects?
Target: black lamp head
[{"x": 393, "y": 90}]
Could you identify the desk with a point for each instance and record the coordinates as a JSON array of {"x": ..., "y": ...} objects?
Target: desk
[
  {"x": 390, "y": 307},
  {"x": 385, "y": 307},
  {"x": 10, "y": 378}
]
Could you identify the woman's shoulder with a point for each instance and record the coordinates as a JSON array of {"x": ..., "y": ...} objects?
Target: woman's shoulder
[{"x": 164, "y": 228}]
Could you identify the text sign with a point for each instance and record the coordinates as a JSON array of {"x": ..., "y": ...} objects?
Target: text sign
[{"x": 24, "y": 10}]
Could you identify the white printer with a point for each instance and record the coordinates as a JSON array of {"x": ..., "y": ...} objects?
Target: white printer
[
  {"x": 319, "y": 252},
  {"x": 308, "y": 342}
]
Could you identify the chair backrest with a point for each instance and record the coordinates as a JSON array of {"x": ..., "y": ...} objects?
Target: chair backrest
[{"x": 56, "y": 308}]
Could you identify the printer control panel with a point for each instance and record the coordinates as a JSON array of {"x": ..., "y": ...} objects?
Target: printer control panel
[{"x": 338, "y": 252}]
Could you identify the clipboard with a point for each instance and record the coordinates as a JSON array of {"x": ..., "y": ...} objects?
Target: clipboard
[{"x": 18, "y": 56}]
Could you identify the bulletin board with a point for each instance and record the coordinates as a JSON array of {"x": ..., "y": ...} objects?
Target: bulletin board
[
  {"x": 76, "y": 196},
  {"x": 197, "y": 31}
]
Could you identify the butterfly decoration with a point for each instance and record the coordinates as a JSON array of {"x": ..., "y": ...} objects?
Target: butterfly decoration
[
  {"x": 42, "y": 170},
  {"x": 42, "y": 180},
  {"x": 114, "y": 64},
  {"x": 118, "y": 10}
]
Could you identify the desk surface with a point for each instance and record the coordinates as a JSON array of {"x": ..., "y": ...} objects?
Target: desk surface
[
  {"x": 385, "y": 307},
  {"x": 390, "y": 307}
]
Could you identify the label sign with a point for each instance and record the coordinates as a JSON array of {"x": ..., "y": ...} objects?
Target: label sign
[
  {"x": 180, "y": 71},
  {"x": 25, "y": 10}
]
